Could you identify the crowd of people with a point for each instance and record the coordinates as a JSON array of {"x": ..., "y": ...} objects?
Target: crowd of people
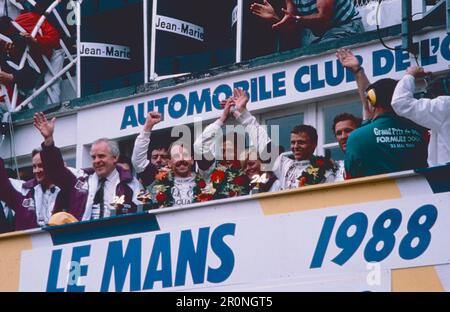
[
  {"x": 397, "y": 133},
  {"x": 163, "y": 176}
]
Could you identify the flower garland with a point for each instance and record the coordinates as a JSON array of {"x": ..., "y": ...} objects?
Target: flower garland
[
  {"x": 164, "y": 182},
  {"x": 163, "y": 188},
  {"x": 315, "y": 172},
  {"x": 202, "y": 191},
  {"x": 229, "y": 180}
]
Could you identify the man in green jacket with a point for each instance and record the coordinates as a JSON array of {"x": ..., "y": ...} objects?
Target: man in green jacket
[{"x": 386, "y": 142}]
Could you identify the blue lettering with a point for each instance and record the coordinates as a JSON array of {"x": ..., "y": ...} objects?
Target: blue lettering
[
  {"x": 160, "y": 103},
  {"x": 316, "y": 83},
  {"x": 222, "y": 89},
  {"x": 329, "y": 75},
  {"x": 129, "y": 118},
  {"x": 244, "y": 85},
  {"x": 263, "y": 93},
  {"x": 150, "y": 106},
  {"x": 279, "y": 84},
  {"x": 177, "y": 98},
  {"x": 120, "y": 263},
  {"x": 204, "y": 101},
  {"x": 401, "y": 59},
  {"x": 445, "y": 48},
  {"x": 254, "y": 87},
  {"x": 161, "y": 249},
  {"x": 223, "y": 252},
  {"x": 378, "y": 56},
  {"x": 54, "y": 272},
  {"x": 78, "y": 253},
  {"x": 189, "y": 255},
  {"x": 141, "y": 114},
  {"x": 426, "y": 57},
  {"x": 301, "y": 86}
]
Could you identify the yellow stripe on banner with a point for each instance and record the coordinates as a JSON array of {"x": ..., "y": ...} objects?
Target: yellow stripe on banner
[
  {"x": 330, "y": 195},
  {"x": 418, "y": 279},
  {"x": 11, "y": 247}
]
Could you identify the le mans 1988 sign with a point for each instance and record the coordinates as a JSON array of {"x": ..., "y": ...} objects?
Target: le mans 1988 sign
[{"x": 301, "y": 249}]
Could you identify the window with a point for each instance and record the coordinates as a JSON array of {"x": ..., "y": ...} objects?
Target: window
[
  {"x": 111, "y": 48},
  {"x": 285, "y": 123},
  {"x": 208, "y": 42}
]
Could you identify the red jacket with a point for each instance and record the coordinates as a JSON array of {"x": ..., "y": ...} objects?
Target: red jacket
[{"x": 49, "y": 39}]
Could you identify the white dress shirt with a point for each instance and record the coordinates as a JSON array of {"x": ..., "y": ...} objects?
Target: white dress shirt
[
  {"x": 287, "y": 170},
  {"x": 109, "y": 190},
  {"x": 433, "y": 114}
]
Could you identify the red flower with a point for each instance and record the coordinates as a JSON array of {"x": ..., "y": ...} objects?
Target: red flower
[
  {"x": 320, "y": 162},
  {"x": 302, "y": 181},
  {"x": 161, "y": 197},
  {"x": 239, "y": 180},
  {"x": 201, "y": 183},
  {"x": 236, "y": 164},
  {"x": 204, "y": 197},
  {"x": 233, "y": 194},
  {"x": 217, "y": 176},
  {"x": 161, "y": 175}
]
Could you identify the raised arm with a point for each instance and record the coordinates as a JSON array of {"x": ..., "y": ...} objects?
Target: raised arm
[
  {"x": 51, "y": 156},
  {"x": 139, "y": 158},
  {"x": 203, "y": 145},
  {"x": 349, "y": 61},
  {"x": 258, "y": 134},
  {"x": 429, "y": 113}
]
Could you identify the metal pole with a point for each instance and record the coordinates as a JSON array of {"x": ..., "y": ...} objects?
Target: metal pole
[
  {"x": 406, "y": 25},
  {"x": 153, "y": 41},
  {"x": 240, "y": 12},
  {"x": 145, "y": 9},
  {"x": 78, "y": 19},
  {"x": 448, "y": 16}
]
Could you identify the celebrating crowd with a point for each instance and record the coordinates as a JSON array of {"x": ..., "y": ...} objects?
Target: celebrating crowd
[{"x": 219, "y": 166}]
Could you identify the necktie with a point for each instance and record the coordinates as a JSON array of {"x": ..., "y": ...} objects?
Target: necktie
[
  {"x": 3, "y": 217},
  {"x": 5, "y": 9},
  {"x": 10, "y": 218},
  {"x": 99, "y": 196}
]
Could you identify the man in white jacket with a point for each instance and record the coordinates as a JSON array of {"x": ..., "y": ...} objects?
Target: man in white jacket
[
  {"x": 212, "y": 135},
  {"x": 432, "y": 113},
  {"x": 179, "y": 163},
  {"x": 159, "y": 155},
  {"x": 289, "y": 166}
]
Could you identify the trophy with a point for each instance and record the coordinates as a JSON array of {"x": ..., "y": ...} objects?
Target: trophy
[
  {"x": 257, "y": 180},
  {"x": 118, "y": 205}
]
